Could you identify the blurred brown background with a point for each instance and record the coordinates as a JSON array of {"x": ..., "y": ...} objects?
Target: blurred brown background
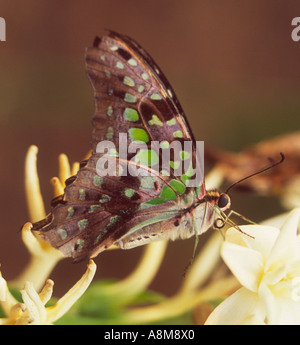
[{"x": 233, "y": 65}]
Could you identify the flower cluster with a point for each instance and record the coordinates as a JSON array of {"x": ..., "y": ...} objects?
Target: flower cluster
[{"x": 33, "y": 309}]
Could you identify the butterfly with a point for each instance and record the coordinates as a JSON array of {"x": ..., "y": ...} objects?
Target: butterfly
[{"x": 133, "y": 98}]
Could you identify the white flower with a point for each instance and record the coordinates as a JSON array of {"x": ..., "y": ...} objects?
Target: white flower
[{"x": 268, "y": 268}]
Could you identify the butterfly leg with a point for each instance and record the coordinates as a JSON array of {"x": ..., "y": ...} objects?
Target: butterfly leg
[
  {"x": 240, "y": 216},
  {"x": 226, "y": 220}
]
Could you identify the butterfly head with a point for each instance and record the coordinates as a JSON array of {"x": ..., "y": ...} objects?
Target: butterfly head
[{"x": 223, "y": 202}]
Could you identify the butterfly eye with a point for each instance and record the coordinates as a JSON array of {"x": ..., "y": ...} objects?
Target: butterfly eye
[
  {"x": 219, "y": 223},
  {"x": 223, "y": 202}
]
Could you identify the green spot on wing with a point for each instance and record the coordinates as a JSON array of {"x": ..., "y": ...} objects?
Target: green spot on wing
[
  {"x": 156, "y": 96},
  {"x": 107, "y": 73},
  {"x": 147, "y": 157},
  {"x": 82, "y": 224},
  {"x": 94, "y": 208},
  {"x": 120, "y": 65},
  {"x": 189, "y": 173},
  {"x": 62, "y": 233},
  {"x": 177, "y": 134},
  {"x": 171, "y": 122},
  {"x": 131, "y": 114},
  {"x": 155, "y": 121},
  {"x": 132, "y": 62},
  {"x": 145, "y": 76},
  {"x": 138, "y": 134},
  {"x": 109, "y": 110},
  {"x": 70, "y": 212},
  {"x": 148, "y": 182},
  {"x": 105, "y": 198},
  {"x": 164, "y": 144},
  {"x": 177, "y": 186},
  {"x": 175, "y": 165},
  {"x": 110, "y": 132},
  {"x": 81, "y": 194},
  {"x": 113, "y": 152},
  {"x": 129, "y": 98},
  {"x": 168, "y": 193},
  {"x": 113, "y": 220},
  {"x": 128, "y": 192},
  {"x": 184, "y": 155},
  {"x": 97, "y": 180},
  {"x": 79, "y": 245},
  {"x": 155, "y": 201},
  {"x": 128, "y": 81}
]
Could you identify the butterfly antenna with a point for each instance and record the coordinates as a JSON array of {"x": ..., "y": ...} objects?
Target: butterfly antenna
[{"x": 273, "y": 164}]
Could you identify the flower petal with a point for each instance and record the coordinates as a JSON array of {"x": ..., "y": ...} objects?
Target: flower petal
[
  {"x": 245, "y": 263},
  {"x": 263, "y": 238},
  {"x": 279, "y": 310},
  {"x": 3, "y": 288},
  {"x": 66, "y": 302},
  {"x": 285, "y": 247},
  {"x": 32, "y": 186},
  {"x": 243, "y": 307},
  {"x": 43, "y": 259},
  {"x": 34, "y": 305},
  {"x": 75, "y": 168},
  {"x": 58, "y": 187},
  {"x": 47, "y": 291},
  {"x": 7, "y": 300},
  {"x": 268, "y": 300},
  {"x": 64, "y": 168},
  {"x": 276, "y": 275},
  {"x": 289, "y": 313}
]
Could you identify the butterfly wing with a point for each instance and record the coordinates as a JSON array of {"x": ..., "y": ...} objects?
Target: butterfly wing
[
  {"x": 132, "y": 98},
  {"x": 125, "y": 77}
]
